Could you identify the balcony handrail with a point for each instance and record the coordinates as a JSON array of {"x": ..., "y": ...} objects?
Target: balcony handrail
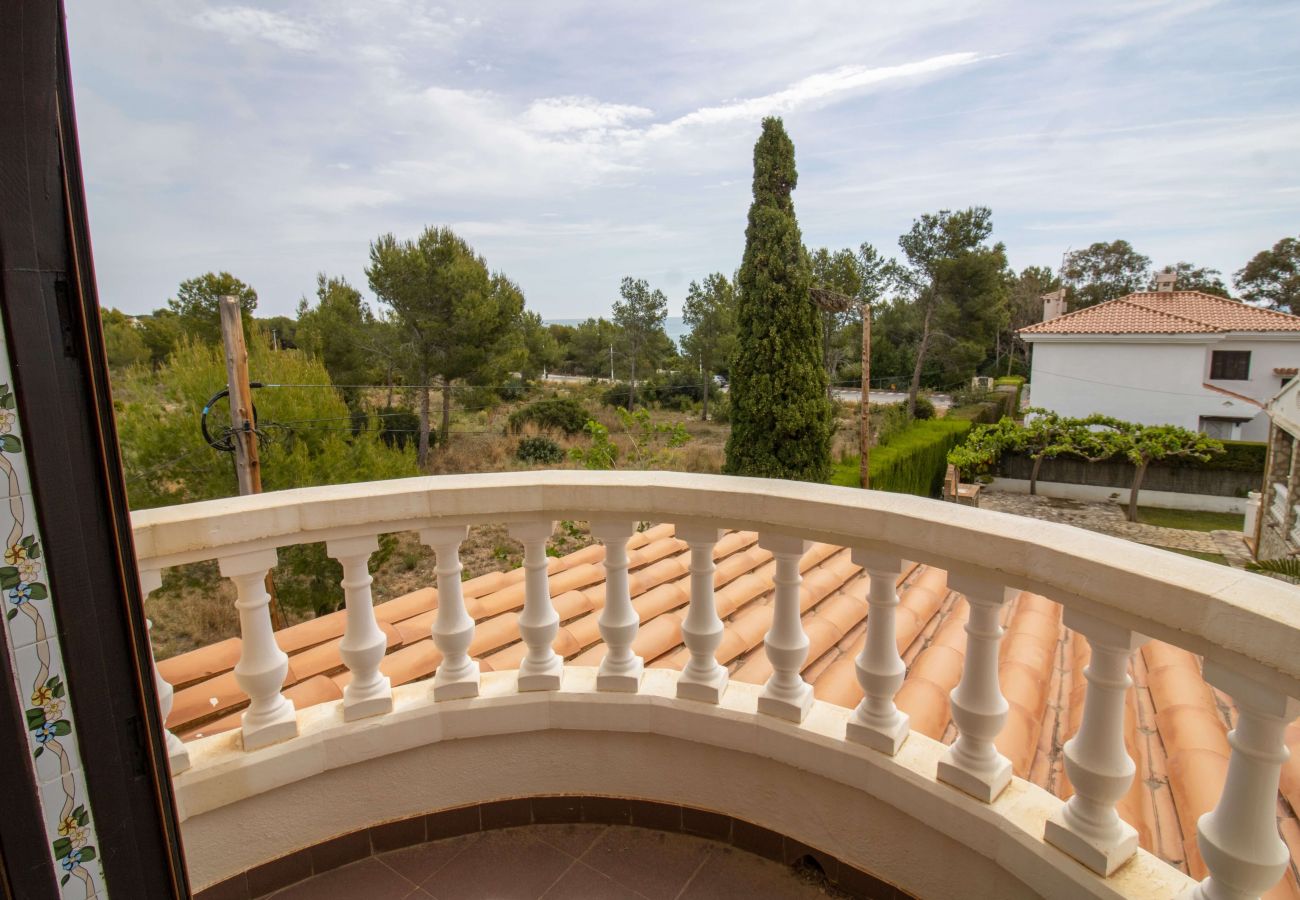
[
  {"x": 1244, "y": 622},
  {"x": 1116, "y": 594}
]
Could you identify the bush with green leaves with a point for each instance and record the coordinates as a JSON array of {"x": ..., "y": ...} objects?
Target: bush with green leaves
[
  {"x": 556, "y": 414},
  {"x": 539, "y": 449},
  {"x": 924, "y": 408},
  {"x": 651, "y": 443},
  {"x": 912, "y": 460},
  {"x": 305, "y": 438}
]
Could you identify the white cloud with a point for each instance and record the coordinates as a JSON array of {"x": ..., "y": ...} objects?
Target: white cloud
[
  {"x": 562, "y": 115},
  {"x": 243, "y": 22}
]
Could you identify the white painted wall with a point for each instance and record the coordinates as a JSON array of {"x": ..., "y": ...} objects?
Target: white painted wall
[{"x": 1157, "y": 381}]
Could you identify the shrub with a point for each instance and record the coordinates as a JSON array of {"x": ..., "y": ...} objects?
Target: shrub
[
  {"x": 992, "y": 408},
  {"x": 398, "y": 425},
  {"x": 514, "y": 390},
  {"x": 1238, "y": 456},
  {"x": 924, "y": 408},
  {"x": 556, "y": 414},
  {"x": 914, "y": 461},
  {"x": 539, "y": 450}
]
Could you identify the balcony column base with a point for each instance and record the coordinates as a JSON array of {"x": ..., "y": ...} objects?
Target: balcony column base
[
  {"x": 379, "y": 705},
  {"x": 706, "y": 690},
  {"x": 543, "y": 679},
  {"x": 884, "y": 740},
  {"x": 983, "y": 786},
  {"x": 794, "y": 707},
  {"x": 458, "y": 686},
  {"x": 1102, "y": 858},
  {"x": 269, "y": 729},
  {"x": 626, "y": 681}
]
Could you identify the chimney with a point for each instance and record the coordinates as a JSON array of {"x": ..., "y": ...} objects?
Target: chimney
[
  {"x": 1165, "y": 281},
  {"x": 1053, "y": 304}
]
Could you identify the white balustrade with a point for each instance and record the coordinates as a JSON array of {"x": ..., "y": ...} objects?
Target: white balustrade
[
  {"x": 877, "y": 722},
  {"x": 703, "y": 678},
  {"x": 262, "y": 665},
  {"x": 542, "y": 669},
  {"x": 369, "y": 693},
  {"x": 1238, "y": 839},
  {"x": 177, "y": 755},
  {"x": 786, "y": 694},
  {"x": 1096, "y": 761},
  {"x": 973, "y": 764},
  {"x": 621, "y": 669},
  {"x": 457, "y": 676}
]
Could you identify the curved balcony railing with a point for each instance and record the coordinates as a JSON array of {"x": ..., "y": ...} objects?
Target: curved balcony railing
[{"x": 1116, "y": 593}]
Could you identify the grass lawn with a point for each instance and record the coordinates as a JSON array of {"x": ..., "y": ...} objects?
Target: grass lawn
[
  {"x": 1190, "y": 520},
  {"x": 845, "y": 473},
  {"x": 1208, "y": 557}
]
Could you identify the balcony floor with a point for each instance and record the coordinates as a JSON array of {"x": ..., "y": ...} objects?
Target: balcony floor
[{"x": 564, "y": 862}]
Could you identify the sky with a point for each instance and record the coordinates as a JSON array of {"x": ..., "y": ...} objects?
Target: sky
[{"x": 573, "y": 143}]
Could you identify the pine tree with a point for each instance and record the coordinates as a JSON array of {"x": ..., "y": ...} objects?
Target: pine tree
[{"x": 780, "y": 415}]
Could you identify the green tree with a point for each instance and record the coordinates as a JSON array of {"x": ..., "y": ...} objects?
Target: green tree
[
  {"x": 588, "y": 347},
  {"x": 974, "y": 312},
  {"x": 781, "y": 422},
  {"x": 640, "y": 313},
  {"x": 1024, "y": 308},
  {"x": 457, "y": 318},
  {"x": 1195, "y": 278},
  {"x": 340, "y": 330},
  {"x": 1272, "y": 277},
  {"x": 931, "y": 247},
  {"x": 196, "y": 304},
  {"x": 838, "y": 271},
  {"x": 710, "y": 312},
  {"x": 543, "y": 352},
  {"x": 161, "y": 332},
  {"x": 1102, "y": 272},
  {"x": 123, "y": 343},
  {"x": 1146, "y": 444}
]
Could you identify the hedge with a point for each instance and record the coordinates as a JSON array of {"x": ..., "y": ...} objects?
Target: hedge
[
  {"x": 1237, "y": 456},
  {"x": 913, "y": 461},
  {"x": 984, "y": 412}
]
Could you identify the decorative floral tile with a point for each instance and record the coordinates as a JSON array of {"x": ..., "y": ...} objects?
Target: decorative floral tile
[
  {"x": 42, "y": 688},
  {"x": 24, "y": 589},
  {"x": 27, "y": 619},
  {"x": 14, "y": 477},
  {"x": 74, "y": 850}
]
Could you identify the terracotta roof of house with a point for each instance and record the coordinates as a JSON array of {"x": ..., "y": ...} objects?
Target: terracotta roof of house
[
  {"x": 1167, "y": 312},
  {"x": 1175, "y": 729}
]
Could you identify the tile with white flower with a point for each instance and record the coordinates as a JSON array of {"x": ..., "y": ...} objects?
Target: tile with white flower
[
  {"x": 42, "y": 686},
  {"x": 14, "y": 477},
  {"x": 24, "y": 588},
  {"x": 73, "y": 846}
]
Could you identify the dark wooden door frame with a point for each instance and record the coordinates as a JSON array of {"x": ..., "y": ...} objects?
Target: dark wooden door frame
[{"x": 51, "y": 312}]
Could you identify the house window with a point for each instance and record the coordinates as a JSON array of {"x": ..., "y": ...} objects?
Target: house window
[{"x": 1230, "y": 365}]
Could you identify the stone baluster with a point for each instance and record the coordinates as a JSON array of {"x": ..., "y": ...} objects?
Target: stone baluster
[
  {"x": 621, "y": 669},
  {"x": 973, "y": 764},
  {"x": 786, "y": 694},
  {"x": 453, "y": 629},
  {"x": 703, "y": 678},
  {"x": 1096, "y": 761},
  {"x": 262, "y": 665},
  {"x": 541, "y": 669},
  {"x": 369, "y": 693},
  {"x": 1238, "y": 839},
  {"x": 177, "y": 755},
  {"x": 877, "y": 722}
]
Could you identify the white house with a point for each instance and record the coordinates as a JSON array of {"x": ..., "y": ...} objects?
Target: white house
[{"x": 1183, "y": 358}]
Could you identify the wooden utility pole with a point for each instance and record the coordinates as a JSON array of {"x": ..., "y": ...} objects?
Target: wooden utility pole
[
  {"x": 864, "y": 428},
  {"x": 248, "y": 466}
]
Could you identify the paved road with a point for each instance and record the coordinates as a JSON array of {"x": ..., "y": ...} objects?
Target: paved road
[{"x": 942, "y": 401}]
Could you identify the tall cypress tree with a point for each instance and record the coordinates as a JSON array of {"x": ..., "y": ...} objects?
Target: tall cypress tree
[{"x": 780, "y": 416}]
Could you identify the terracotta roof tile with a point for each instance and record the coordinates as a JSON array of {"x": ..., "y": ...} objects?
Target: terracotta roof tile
[
  {"x": 1170, "y": 312},
  {"x": 1175, "y": 724}
]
